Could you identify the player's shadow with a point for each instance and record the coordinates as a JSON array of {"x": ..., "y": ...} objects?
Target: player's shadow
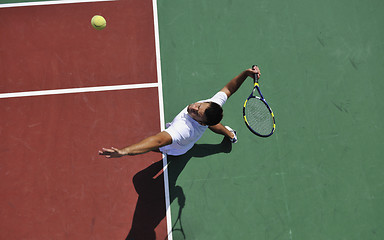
[{"x": 149, "y": 184}]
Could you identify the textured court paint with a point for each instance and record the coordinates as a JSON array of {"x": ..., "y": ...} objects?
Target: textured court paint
[
  {"x": 320, "y": 175},
  {"x": 79, "y": 56},
  {"x": 54, "y": 184}
]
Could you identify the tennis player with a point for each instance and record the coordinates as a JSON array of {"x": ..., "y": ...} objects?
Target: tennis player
[{"x": 189, "y": 125}]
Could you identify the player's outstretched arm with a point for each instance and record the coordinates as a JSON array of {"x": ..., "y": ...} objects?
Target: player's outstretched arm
[
  {"x": 149, "y": 144},
  {"x": 237, "y": 81}
]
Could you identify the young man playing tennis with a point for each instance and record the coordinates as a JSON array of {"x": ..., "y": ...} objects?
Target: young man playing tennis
[{"x": 189, "y": 125}]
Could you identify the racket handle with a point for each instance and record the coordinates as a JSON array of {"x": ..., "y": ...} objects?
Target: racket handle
[{"x": 255, "y": 75}]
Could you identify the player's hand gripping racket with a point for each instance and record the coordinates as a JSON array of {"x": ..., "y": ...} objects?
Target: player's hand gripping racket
[{"x": 258, "y": 116}]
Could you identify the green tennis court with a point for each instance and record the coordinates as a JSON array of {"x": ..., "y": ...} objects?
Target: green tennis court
[{"x": 320, "y": 175}]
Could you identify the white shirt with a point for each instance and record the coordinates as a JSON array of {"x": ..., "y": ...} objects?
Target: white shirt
[{"x": 185, "y": 131}]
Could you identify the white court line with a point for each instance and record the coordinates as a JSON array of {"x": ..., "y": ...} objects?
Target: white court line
[
  {"x": 77, "y": 90},
  {"x": 44, "y": 3},
  {"x": 162, "y": 120}
]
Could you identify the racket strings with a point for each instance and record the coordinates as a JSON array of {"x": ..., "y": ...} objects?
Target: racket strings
[{"x": 258, "y": 116}]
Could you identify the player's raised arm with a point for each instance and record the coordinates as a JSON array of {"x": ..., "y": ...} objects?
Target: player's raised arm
[{"x": 237, "y": 81}]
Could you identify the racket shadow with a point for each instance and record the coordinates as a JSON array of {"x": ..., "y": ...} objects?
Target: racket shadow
[{"x": 149, "y": 184}]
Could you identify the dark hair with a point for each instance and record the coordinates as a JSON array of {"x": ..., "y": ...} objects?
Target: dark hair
[{"x": 213, "y": 114}]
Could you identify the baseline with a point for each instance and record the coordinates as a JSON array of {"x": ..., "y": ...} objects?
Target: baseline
[
  {"x": 77, "y": 90},
  {"x": 45, "y": 3}
]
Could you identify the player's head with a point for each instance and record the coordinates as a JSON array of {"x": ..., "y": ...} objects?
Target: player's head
[
  {"x": 206, "y": 113},
  {"x": 213, "y": 114}
]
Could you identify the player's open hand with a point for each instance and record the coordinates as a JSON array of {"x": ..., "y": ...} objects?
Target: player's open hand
[{"x": 111, "y": 153}]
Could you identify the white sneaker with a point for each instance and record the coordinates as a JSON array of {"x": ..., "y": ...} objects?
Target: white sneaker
[{"x": 234, "y": 139}]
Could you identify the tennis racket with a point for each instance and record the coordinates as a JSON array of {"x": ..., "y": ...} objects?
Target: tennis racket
[{"x": 258, "y": 116}]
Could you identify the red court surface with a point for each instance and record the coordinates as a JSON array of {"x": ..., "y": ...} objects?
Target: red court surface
[
  {"x": 54, "y": 185},
  {"x": 56, "y": 46}
]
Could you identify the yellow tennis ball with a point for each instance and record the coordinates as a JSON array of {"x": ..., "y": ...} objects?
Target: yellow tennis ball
[{"x": 98, "y": 22}]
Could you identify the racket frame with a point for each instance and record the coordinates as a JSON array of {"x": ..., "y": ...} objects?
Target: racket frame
[{"x": 261, "y": 98}]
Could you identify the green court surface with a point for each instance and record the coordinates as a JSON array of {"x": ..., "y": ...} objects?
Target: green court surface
[{"x": 320, "y": 175}]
